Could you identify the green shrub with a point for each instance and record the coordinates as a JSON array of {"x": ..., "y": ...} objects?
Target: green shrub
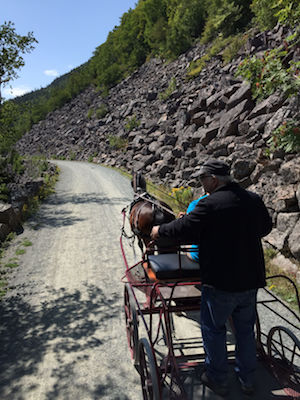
[
  {"x": 131, "y": 123},
  {"x": 286, "y": 137},
  {"x": 72, "y": 155},
  {"x": 264, "y": 13},
  {"x": 225, "y": 17},
  {"x": 182, "y": 196},
  {"x": 269, "y": 12},
  {"x": 170, "y": 89},
  {"x": 197, "y": 66},
  {"x": 92, "y": 156},
  {"x": 267, "y": 74},
  {"x": 117, "y": 142},
  {"x": 36, "y": 166},
  {"x": 3, "y": 192},
  {"x": 17, "y": 162},
  {"x": 101, "y": 111},
  {"x": 90, "y": 113}
]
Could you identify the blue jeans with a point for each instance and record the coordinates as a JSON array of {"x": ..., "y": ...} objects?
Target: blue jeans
[{"x": 216, "y": 307}]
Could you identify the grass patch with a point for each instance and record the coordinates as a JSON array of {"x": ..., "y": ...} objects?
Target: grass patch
[
  {"x": 226, "y": 47},
  {"x": 11, "y": 265},
  {"x": 26, "y": 243},
  {"x": 281, "y": 286},
  {"x": 20, "y": 252},
  {"x": 3, "y": 285}
]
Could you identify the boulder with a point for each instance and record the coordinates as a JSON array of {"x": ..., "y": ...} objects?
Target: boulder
[
  {"x": 229, "y": 120},
  {"x": 298, "y": 195},
  {"x": 242, "y": 168},
  {"x": 217, "y": 100},
  {"x": 11, "y": 218},
  {"x": 277, "y": 239},
  {"x": 287, "y": 221},
  {"x": 294, "y": 242},
  {"x": 285, "y": 199},
  {"x": 285, "y": 264},
  {"x": 290, "y": 171},
  {"x": 199, "y": 118},
  {"x": 205, "y": 135},
  {"x": 243, "y": 93},
  {"x": 4, "y": 231},
  {"x": 267, "y": 106}
]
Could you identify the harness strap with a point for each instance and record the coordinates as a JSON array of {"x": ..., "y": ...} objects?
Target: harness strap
[{"x": 155, "y": 203}]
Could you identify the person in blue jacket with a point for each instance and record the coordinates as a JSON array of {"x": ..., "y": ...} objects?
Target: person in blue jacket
[
  {"x": 227, "y": 226},
  {"x": 194, "y": 253}
]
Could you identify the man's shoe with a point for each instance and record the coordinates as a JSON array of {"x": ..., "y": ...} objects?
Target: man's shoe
[
  {"x": 247, "y": 388},
  {"x": 219, "y": 388}
]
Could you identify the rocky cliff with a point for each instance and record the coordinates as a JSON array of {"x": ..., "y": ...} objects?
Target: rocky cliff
[{"x": 170, "y": 136}]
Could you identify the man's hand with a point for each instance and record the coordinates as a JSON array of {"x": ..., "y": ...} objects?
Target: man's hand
[
  {"x": 181, "y": 214},
  {"x": 154, "y": 233}
]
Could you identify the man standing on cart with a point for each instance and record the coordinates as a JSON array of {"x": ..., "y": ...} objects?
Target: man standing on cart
[{"x": 228, "y": 226}]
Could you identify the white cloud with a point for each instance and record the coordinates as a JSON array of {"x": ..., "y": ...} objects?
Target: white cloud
[
  {"x": 51, "y": 72},
  {"x": 16, "y": 91}
]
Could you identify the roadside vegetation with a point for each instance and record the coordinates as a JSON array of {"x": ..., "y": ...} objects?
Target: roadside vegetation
[
  {"x": 35, "y": 167},
  {"x": 281, "y": 286}
]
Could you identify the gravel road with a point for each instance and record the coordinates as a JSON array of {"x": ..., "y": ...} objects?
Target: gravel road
[{"x": 62, "y": 329}]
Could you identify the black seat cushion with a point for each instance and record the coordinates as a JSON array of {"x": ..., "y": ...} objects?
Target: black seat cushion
[{"x": 170, "y": 266}]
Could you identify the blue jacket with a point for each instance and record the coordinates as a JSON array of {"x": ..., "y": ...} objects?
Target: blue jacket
[{"x": 194, "y": 253}]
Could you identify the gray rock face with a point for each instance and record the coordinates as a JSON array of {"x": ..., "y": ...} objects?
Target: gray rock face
[
  {"x": 213, "y": 115},
  {"x": 294, "y": 242},
  {"x": 10, "y": 220}
]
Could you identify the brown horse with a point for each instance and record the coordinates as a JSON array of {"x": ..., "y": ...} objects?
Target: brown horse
[{"x": 145, "y": 212}]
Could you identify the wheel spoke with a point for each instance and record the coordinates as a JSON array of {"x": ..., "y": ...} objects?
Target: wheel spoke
[
  {"x": 293, "y": 353},
  {"x": 284, "y": 352},
  {"x": 282, "y": 346}
]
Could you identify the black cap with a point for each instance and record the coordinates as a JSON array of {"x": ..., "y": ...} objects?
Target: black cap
[{"x": 214, "y": 167}]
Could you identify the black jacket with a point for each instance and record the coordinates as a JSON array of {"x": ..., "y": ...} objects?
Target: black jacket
[{"x": 228, "y": 226}]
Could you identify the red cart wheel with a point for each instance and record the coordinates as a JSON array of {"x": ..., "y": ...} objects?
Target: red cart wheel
[
  {"x": 131, "y": 320},
  {"x": 284, "y": 352},
  {"x": 149, "y": 372}
]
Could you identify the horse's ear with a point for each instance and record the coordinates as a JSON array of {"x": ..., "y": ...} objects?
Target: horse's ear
[
  {"x": 133, "y": 177},
  {"x": 143, "y": 184}
]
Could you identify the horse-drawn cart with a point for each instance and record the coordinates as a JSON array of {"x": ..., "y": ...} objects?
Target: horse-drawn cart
[{"x": 162, "y": 299}]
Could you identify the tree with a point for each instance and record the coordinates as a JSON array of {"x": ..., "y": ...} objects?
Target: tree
[{"x": 12, "y": 45}]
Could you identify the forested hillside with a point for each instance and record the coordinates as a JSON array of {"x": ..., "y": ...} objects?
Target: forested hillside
[{"x": 161, "y": 28}]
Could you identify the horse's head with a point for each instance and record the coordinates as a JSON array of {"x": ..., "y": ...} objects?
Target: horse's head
[
  {"x": 145, "y": 213},
  {"x": 138, "y": 182}
]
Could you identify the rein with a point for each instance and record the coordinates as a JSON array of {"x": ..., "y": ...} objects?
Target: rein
[{"x": 156, "y": 203}]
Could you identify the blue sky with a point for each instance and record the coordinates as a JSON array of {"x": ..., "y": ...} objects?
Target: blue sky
[{"x": 68, "y": 31}]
